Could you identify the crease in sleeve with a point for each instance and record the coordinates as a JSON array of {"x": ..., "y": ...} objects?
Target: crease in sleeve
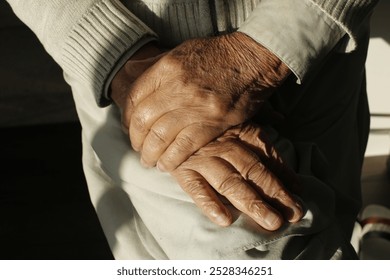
[{"x": 296, "y": 31}]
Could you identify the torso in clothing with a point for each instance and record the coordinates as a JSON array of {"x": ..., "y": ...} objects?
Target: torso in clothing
[{"x": 175, "y": 21}]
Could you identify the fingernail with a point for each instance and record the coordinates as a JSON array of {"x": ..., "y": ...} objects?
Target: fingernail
[
  {"x": 273, "y": 221},
  {"x": 218, "y": 215},
  {"x": 160, "y": 166},
  {"x": 298, "y": 213},
  {"x": 223, "y": 219}
]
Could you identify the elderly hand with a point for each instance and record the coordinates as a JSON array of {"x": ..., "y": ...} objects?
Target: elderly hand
[
  {"x": 241, "y": 166},
  {"x": 194, "y": 93},
  {"x": 121, "y": 84}
]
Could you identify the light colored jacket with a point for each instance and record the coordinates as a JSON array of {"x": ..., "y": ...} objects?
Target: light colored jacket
[
  {"x": 91, "y": 39},
  {"x": 322, "y": 138}
]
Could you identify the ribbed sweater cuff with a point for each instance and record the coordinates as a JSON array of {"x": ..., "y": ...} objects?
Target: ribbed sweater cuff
[{"x": 99, "y": 40}]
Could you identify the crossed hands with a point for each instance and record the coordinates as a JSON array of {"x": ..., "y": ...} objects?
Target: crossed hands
[{"x": 184, "y": 111}]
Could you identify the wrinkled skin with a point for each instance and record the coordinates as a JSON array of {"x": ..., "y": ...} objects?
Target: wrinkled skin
[
  {"x": 194, "y": 93},
  {"x": 234, "y": 167},
  {"x": 175, "y": 103}
]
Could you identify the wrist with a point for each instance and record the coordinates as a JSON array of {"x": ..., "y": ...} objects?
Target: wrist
[
  {"x": 230, "y": 63},
  {"x": 131, "y": 70},
  {"x": 264, "y": 65},
  {"x": 147, "y": 51}
]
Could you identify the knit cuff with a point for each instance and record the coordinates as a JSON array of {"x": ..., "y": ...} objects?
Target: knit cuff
[{"x": 98, "y": 41}]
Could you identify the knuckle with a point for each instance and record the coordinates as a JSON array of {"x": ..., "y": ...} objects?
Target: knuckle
[
  {"x": 164, "y": 165},
  {"x": 258, "y": 174},
  {"x": 193, "y": 187},
  {"x": 257, "y": 207},
  {"x": 157, "y": 136},
  {"x": 217, "y": 110},
  {"x": 230, "y": 185},
  {"x": 230, "y": 143},
  {"x": 176, "y": 156},
  {"x": 217, "y": 148},
  {"x": 269, "y": 184},
  {"x": 185, "y": 143},
  {"x": 138, "y": 121}
]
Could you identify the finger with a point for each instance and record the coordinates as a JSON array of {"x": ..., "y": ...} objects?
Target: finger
[
  {"x": 148, "y": 83},
  {"x": 161, "y": 135},
  {"x": 226, "y": 181},
  {"x": 147, "y": 79},
  {"x": 127, "y": 91},
  {"x": 267, "y": 184},
  {"x": 203, "y": 196},
  {"x": 144, "y": 116},
  {"x": 187, "y": 142},
  {"x": 138, "y": 89},
  {"x": 274, "y": 191},
  {"x": 255, "y": 138}
]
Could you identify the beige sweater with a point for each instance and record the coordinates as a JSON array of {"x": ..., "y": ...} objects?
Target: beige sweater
[{"x": 91, "y": 39}]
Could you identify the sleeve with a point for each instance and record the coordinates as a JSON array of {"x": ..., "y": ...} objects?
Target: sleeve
[
  {"x": 86, "y": 38},
  {"x": 302, "y": 32}
]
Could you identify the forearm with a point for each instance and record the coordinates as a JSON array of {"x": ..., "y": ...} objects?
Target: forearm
[{"x": 86, "y": 38}]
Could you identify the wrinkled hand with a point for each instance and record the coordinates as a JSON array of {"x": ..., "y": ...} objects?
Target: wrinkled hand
[
  {"x": 244, "y": 168},
  {"x": 121, "y": 84},
  {"x": 194, "y": 93}
]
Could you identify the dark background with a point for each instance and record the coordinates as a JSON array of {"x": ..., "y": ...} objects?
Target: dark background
[{"x": 45, "y": 211}]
